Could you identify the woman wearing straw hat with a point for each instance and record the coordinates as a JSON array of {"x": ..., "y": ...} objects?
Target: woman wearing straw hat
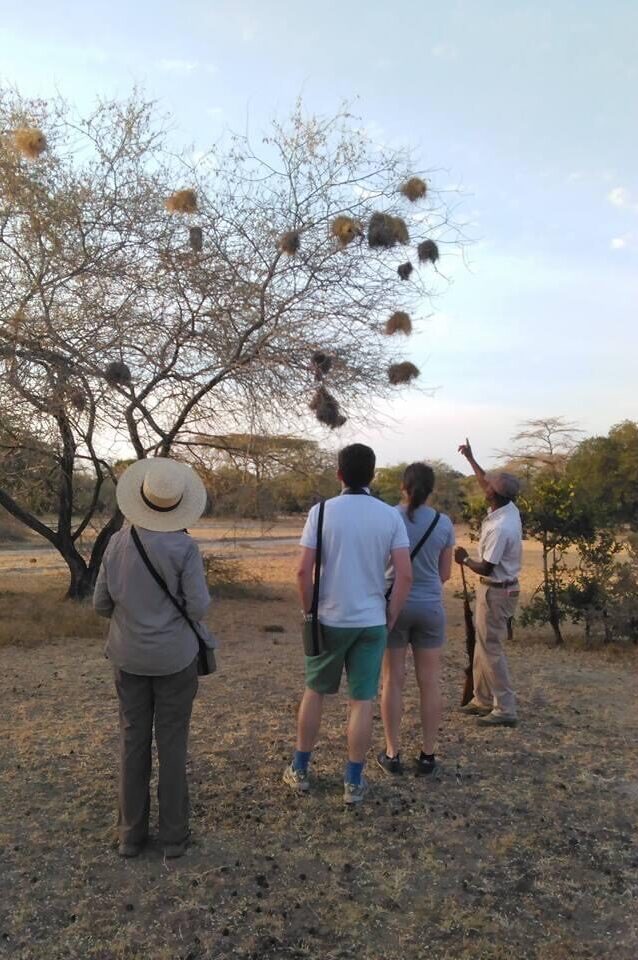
[{"x": 152, "y": 643}]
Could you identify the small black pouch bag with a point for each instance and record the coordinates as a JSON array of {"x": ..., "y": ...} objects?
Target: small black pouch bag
[{"x": 313, "y": 643}]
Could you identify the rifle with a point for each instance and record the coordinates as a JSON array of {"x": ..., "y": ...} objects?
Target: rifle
[{"x": 470, "y": 643}]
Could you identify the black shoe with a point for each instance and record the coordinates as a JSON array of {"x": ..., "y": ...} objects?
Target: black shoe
[
  {"x": 425, "y": 766},
  {"x": 391, "y": 765}
]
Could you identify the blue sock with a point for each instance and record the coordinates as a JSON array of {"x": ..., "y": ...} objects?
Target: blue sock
[
  {"x": 353, "y": 772},
  {"x": 301, "y": 760}
]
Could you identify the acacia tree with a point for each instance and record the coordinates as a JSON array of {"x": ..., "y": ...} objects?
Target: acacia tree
[
  {"x": 543, "y": 444},
  {"x": 127, "y": 329},
  {"x": 551, "y": 514},
  {"x": 262, "y": 475}
]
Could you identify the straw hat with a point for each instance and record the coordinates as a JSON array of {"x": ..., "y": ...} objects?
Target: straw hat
[{"x": 161, "y": 494}]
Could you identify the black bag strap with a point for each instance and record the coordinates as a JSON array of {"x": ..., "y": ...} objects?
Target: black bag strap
[
  {"x": 426, "y": 535},
  {"x": 314, "y": 610},
  {"x": 417, "y": 547},
  {"x": 159, "y": 580}
]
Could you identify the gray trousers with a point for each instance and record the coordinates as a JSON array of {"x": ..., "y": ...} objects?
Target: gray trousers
[
  {"x": 169, "y": 701},
  {"x": 492, "y": 681}
]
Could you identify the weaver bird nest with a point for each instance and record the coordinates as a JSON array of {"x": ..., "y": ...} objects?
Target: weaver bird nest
[
  {"x": 321, "y": 364},
  {"x": 118, "y": 374},
  {"x": 30, "y": 142},
  {"x": 182, "y": 201},
  {"x": 398, "y": 322},
  {"x": 290, "y": 242},
  {"x": 326, "y": 409},
  {"x": 428, "y": 251},
  {"x": 345, "y": 229},
  {"x": 196, "y": 239},
  {"x": 386, "y": 231},
  {"x": 399, "y": 373},
  {"x": 404, "y": 270},
  {"x": 414, "y": 189}
]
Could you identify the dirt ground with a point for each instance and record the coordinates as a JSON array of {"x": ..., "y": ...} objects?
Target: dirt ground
[{"x": 524, "y": 848}]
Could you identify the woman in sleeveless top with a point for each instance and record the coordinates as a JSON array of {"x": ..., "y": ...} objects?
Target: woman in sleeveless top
[{"x": 421, "y": 623}]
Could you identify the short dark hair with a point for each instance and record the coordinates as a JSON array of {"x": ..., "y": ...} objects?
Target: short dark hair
[
  {"x": 418, "y": 482},
  {"x": 356, "y": 465}
]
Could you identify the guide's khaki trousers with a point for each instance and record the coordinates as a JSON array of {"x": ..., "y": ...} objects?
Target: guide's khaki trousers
[
  {"x": 492, "y": 682},
  {"x": 168, "y": 700}
]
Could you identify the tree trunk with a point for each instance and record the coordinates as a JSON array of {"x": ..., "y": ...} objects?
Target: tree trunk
[
  {"x": 554, "y": 622},
  {"x": 82, "y": 579},
  {"x": 553, "y": 612},
  {"x": 83, "y": 575}
]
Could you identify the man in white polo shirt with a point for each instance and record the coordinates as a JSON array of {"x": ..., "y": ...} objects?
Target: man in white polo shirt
[
  {"x": 360, "y": 537},
  {"x": 498, "y": 567}
]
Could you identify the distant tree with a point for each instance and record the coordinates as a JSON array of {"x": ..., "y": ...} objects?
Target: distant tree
[
  {"x": 261, "y": 475},
  {"x": 387, "y": 483},
  {"x": 541, "y": 444},
  {"x": 448, "y": 495},
  {"x": 554, "y": 517},
  {"x": 605, "y": 472}
]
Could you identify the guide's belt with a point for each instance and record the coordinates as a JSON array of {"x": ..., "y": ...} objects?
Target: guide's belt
[{"x": 498, "y": 584}]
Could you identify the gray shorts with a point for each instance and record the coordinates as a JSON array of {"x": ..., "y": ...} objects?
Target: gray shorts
[{"x": 421, "y": 624}]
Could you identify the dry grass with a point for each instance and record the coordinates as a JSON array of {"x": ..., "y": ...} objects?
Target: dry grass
[
  {"x": 522, "y": 849},
  {"x": 11, "y": 530}
]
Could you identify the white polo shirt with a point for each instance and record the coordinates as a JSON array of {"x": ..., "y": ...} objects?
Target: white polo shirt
[
  {"x": 359, "y": 533},
  {"x": 501, "y": 542}
]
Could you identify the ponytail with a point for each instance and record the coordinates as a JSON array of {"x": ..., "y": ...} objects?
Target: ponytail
[{"x": 418, "y": 483}]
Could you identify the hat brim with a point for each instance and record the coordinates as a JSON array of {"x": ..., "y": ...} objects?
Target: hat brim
[
  {"x": 503, "y": 483},
  {"x": 129, "y": 498}
]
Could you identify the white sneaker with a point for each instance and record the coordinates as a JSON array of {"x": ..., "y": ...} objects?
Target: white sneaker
[
  {"x": 297, "y": 780},
  {"x": 353, "y": 793}
]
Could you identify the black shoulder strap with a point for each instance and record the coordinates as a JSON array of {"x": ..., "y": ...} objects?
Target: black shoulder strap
[
  {"x": 159, "y": 580},
  {"x": 314, "y": 610},
  {"x": 426, "y": 535},
  {"x": 417, "y": 547}
]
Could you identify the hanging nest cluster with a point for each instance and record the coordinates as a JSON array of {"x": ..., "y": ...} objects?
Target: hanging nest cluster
[
  {"x": 30, "y": 142},
  {"x": 321, "y": 364},
  {"x": 290, "y": 242},
  {"x": 414, "y": 189},
  {"x": 326, "y": 409},
  {"x": 182, "y": 201},
  {"x": 399, "y": 322},
  {"x": 77, "y": 398},
  {"x": 399, "y": 373},
  {"x": 346, "y": 229},
  {"x": 118, "y": 374},
  {"x": 386, "y": 231},
  {"x": 404, "y": 270},
  {"x": 196, "y": 239},
  {"x": 428, "y": 251}
]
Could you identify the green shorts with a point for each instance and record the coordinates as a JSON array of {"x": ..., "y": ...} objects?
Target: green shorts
[{"x": 360, "y": 650}]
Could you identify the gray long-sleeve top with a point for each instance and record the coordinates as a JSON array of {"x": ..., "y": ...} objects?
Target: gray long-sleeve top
[{"x": 147, "y": 635}]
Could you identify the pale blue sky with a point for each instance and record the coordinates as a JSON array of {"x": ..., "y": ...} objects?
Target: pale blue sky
[{"x": 530, "y": 107}]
